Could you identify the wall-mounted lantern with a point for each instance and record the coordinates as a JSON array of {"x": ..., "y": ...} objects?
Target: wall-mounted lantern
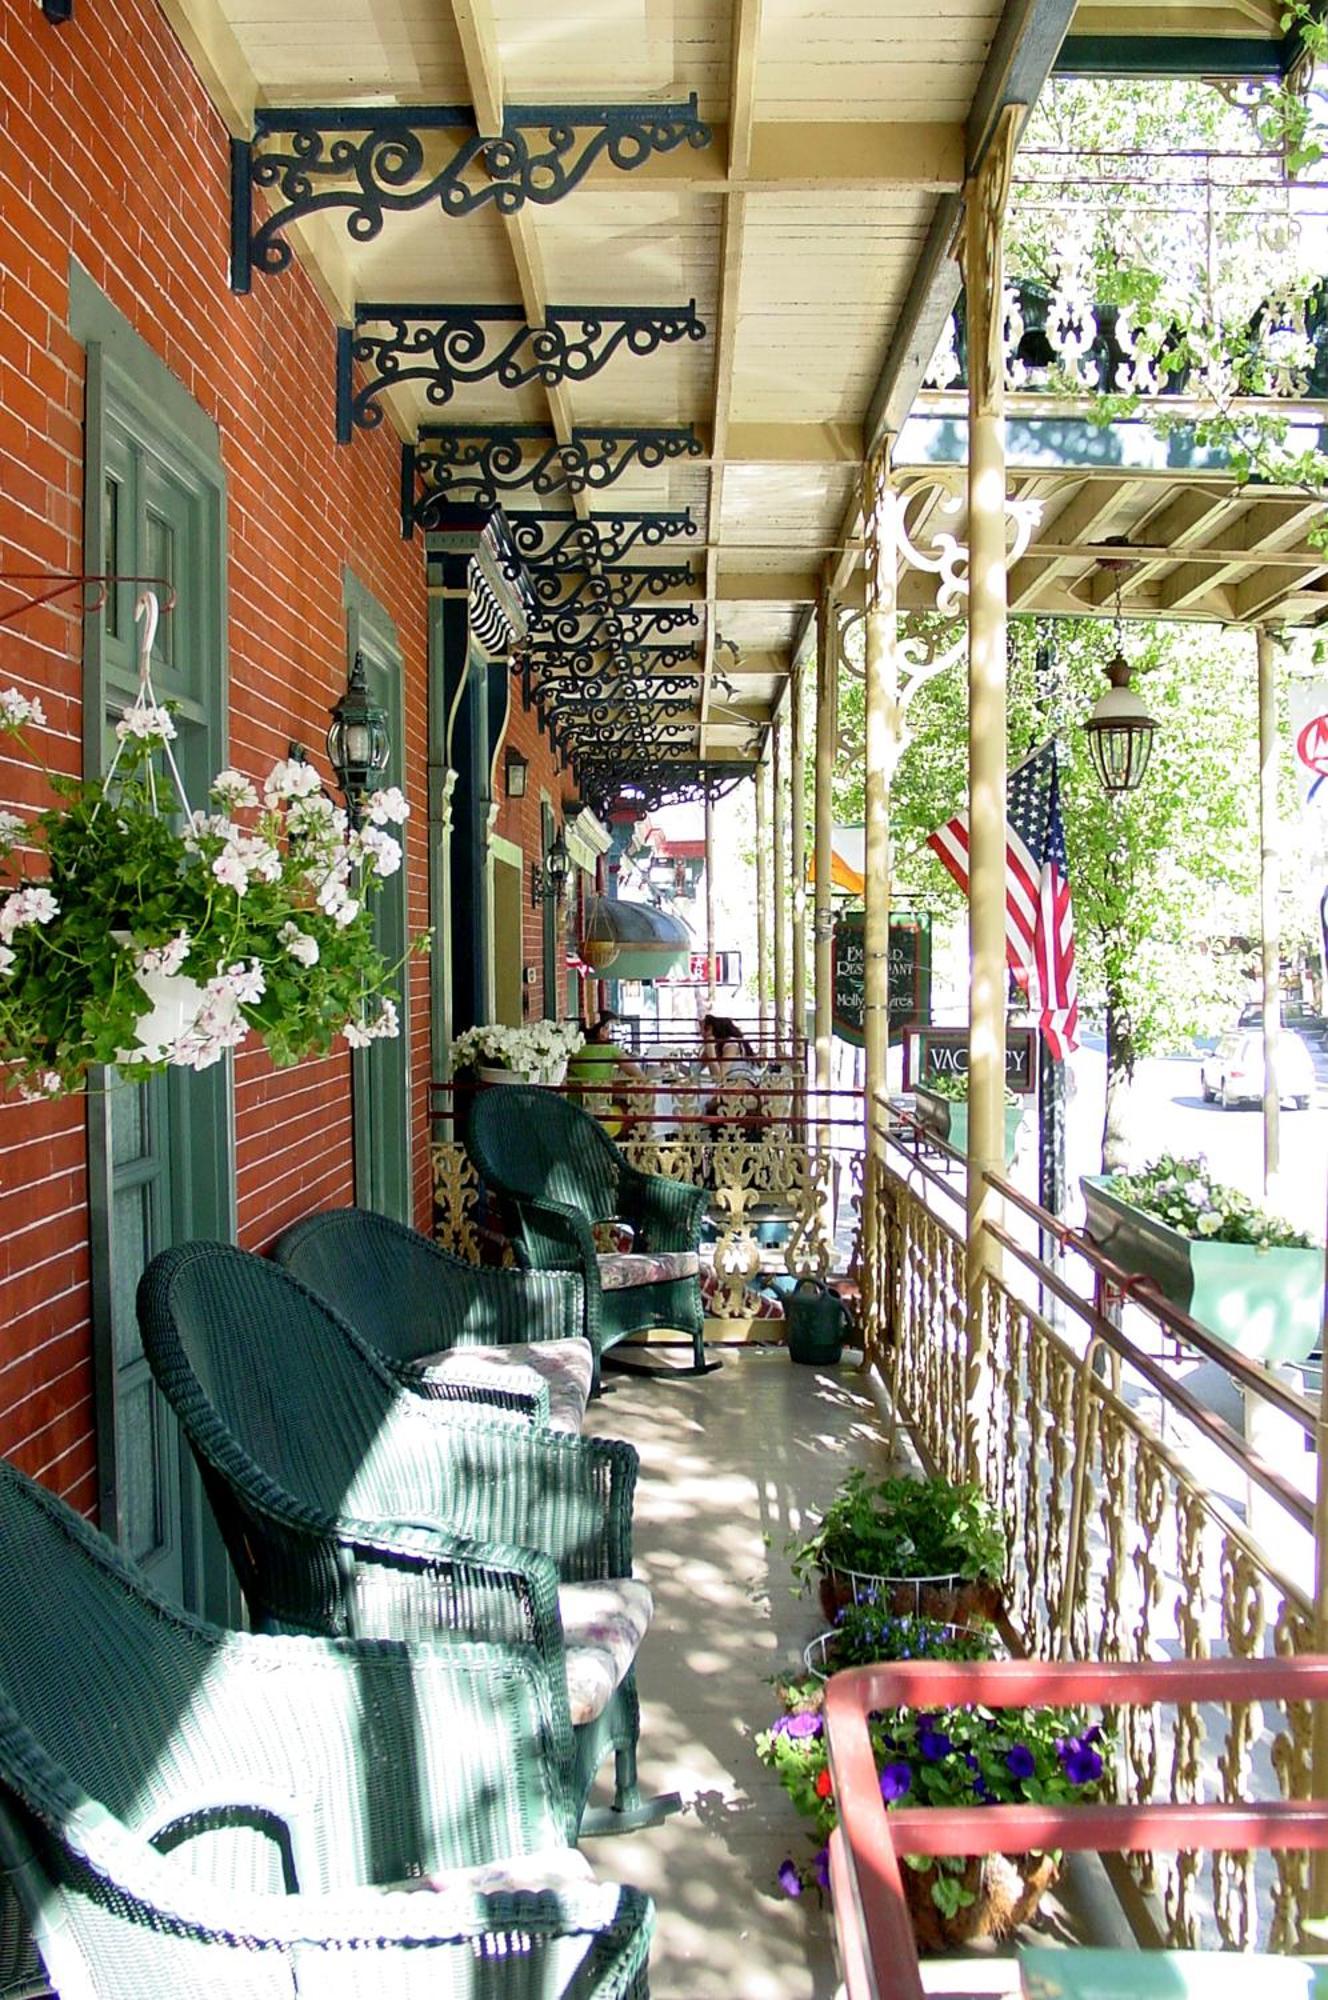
[
  {"x": 358, "y": 745},
  {"x": 516, "y": 769},
  {"x": 548, "y": 878}
]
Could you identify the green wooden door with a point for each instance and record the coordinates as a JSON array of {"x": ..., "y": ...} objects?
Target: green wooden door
[
  {"x": 160, "y": 1156},
  {"x": 380, "y": 1074}
]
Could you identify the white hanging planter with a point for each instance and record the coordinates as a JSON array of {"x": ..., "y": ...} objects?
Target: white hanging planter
[{"x": 177, "y": 1001}]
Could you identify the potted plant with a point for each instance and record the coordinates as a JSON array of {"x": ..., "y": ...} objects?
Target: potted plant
[
  {"x": 970, "y": 1756},
  {"x": 924, "y": 1546},
  {"x": 1247, "y": 1276},
  {"x": 866, "y": 1632},
  {"x": 536, "y": 1053},
  {"x": 138, "y": 934},
  {"x": 942, "y": 1106}
]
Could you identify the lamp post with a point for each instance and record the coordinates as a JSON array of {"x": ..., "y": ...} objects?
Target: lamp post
[{"x": 358, "y": 745}]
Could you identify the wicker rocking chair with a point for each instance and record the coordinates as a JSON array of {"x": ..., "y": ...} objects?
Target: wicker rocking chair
[{"x": 563, "y": 1174}]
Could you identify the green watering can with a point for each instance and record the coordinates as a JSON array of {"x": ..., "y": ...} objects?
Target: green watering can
[{"x": 815, "y": 1318}]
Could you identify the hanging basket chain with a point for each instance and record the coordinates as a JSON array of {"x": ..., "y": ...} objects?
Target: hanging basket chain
[{"x": 147, "y": 614}]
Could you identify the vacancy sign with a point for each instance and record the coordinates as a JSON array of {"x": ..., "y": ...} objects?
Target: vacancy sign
[{"x": 1309, "y": 741}]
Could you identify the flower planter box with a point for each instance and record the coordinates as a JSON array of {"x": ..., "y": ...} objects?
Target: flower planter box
[
  {"x": 1266, "y": 1304},
  {"x": 947, "y": 1117}
]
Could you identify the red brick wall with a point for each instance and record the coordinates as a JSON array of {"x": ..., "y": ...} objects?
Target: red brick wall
[{"x": 113, "y": 154}]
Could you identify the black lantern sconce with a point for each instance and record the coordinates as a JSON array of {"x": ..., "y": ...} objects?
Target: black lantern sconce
[
  {"x": 358, "y": 745},
  {"x": 1120, "y": 730},
  {"x": 547, "y": 879},
  {"x": 515, "y": 771}
]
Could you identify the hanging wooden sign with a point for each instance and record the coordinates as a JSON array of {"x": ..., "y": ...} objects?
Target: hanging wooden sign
[{"x": 910, "y": 973}]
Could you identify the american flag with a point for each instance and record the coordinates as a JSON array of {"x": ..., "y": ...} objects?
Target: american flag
[{"x": 1039, "y": 916}]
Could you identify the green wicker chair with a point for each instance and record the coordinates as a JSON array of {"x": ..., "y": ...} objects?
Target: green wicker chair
[
  {"x": 444, "y": 1327},
  {"x": 563, "y": 1175},
  {"x": 351, "y": 1506},
  {"x": 200, "y": 1813}
]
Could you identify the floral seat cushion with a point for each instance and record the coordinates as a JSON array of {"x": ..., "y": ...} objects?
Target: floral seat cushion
[
  {"x": 621, "y": 1270},
  {"x": 564, "y": 1366},
  {"x": 545, "y": 1868},
  {"x": 603, "y": 1626}
]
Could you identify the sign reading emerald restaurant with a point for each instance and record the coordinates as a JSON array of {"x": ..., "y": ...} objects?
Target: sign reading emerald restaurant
[{"x": 910, "y": 973}]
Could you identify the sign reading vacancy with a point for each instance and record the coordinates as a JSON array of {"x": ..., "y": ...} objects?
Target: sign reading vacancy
[
  {"x": 938, "y": 1052},
  {"x": 910, "y": 973}
]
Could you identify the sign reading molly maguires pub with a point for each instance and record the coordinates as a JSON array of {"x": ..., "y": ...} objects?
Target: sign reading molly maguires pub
[
  {"x": 937, "y": 1052},
  {"x": 910, "y": 973}
]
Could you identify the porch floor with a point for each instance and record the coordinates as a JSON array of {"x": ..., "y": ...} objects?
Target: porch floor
[{"x": 732, "y": 1465}]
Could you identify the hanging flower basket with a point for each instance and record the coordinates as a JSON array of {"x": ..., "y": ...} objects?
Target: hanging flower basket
[{"x": 138, "y": 933}]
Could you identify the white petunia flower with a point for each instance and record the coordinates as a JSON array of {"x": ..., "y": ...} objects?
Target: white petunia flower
[
  {"x": 298, "y": 943},
  {"x": 165, "y": 957},
  {"x": 16, "y": 709},
  {"x": 388, "y": 806},
  {"x": 290, "y": 779},
  {"x": 150, "y": 724},
  {"x": 234, "y": 789}
]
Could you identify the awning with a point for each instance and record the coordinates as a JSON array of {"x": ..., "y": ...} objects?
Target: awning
[{"x": 651, "y": 942}]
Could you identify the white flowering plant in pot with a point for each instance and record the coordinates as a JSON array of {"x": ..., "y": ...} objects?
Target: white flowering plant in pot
[
  {"x": 536, "y": 1052},
  {"x": 254, "y": 914}
]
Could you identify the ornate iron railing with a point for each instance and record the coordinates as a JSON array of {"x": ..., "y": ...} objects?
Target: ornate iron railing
[{"x": 1119, "y": 1549}]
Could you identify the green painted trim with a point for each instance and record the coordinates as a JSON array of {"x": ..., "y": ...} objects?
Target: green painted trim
[
  {"x": 506, "y": 850},
  {"x": 130, "y": 387},
  {"x": 381, "y": 1125},
  {"x": 1171, "y": 56}
]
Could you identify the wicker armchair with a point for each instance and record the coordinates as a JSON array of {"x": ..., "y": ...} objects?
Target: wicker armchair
[
  {"x": 197, "y": 1812},
  {"x": 563, "y": 1174},
  {"x": 444, "y": 1327},
  {"x": 351, "y": 1506}
]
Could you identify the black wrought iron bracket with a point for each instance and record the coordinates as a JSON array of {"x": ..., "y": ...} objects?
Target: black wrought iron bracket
[
  {"x": 561, "y": 541},
  {"x": 462, "y": 463},
  {"x": 446, "y": 346},
  {"x": 612, "y": 628},
  {"x": 368, "y": 164},
  {"x": 620, "y": 589}
]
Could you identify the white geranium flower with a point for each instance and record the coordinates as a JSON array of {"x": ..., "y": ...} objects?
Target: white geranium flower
[
  {"x": 11, "y": 826},
  {"x": 291, "y": 779},
  {"x": 165, "y": 957},
  {"x": 16, "y": 709},
  {"x": 26, "y": 906},
  {"x": 150, "y": 724},
  {"x": 298, "y": 943},
  {"x": 345, "y": 913},
  {"x": 372, "y": 844},
  {"x": 230, "y": 869},
  {"x": 1209, "y": 1222},
  {"x": 241, "y": 982},
  {"x": 384, "y": 1025},
  {"x": 312, "y": 817},
  {"x": 356, "y": 1034},
  {"x": 47, "y": 1084},
  {"x": 234, "y": 790},
  {"x": 8, "y": 959},
  {"x": 388, "y": 807}
]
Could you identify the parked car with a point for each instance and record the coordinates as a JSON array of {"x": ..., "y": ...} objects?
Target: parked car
[{"x": 1233, "y": 1073}]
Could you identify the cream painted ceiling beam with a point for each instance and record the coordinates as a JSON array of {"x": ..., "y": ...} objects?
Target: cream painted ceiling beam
[
  {"x": 1261, "y": 594},
  {"x": 744, "y": 44},
  {"x": 1094, "y": 503}
]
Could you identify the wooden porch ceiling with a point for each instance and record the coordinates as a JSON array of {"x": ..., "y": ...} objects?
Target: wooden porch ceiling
[{"x": 812, "y": 230}]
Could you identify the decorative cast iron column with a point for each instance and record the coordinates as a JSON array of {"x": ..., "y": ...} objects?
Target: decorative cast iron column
[
  {"x": 1271, "y": 942},
  {"x": 710, "y": 899},
  {"x": 880, "y": 514},
  {"x": 827, "y": 662},
  {"x": 984, "y": 218},
  {"x": 798, "y": 849},
  {"x": 779, "y": 823},
  {"x": 762, "y": 783}
]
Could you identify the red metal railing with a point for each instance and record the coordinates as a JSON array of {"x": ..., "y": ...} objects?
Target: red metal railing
[{"x": 875, "y": 1933}]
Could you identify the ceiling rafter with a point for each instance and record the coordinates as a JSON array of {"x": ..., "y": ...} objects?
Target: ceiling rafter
[{"x": 742, "y": 108}]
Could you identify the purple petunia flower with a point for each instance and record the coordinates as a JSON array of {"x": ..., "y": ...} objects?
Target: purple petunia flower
[
  {"x": 789, "y": 1879},
  {"x": 821, "y": 1863},
  {"x": 896, "y": 1779},
  {"x": 1020, "y": 1761},
  {"x": 800, "y": 1727},
  {"x": 1081, "y": 1763},
  {"x": 934, "y": 1744}
]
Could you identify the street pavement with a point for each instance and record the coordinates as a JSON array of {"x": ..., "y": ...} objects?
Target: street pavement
[{"x": 1169, "y": 1115}]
